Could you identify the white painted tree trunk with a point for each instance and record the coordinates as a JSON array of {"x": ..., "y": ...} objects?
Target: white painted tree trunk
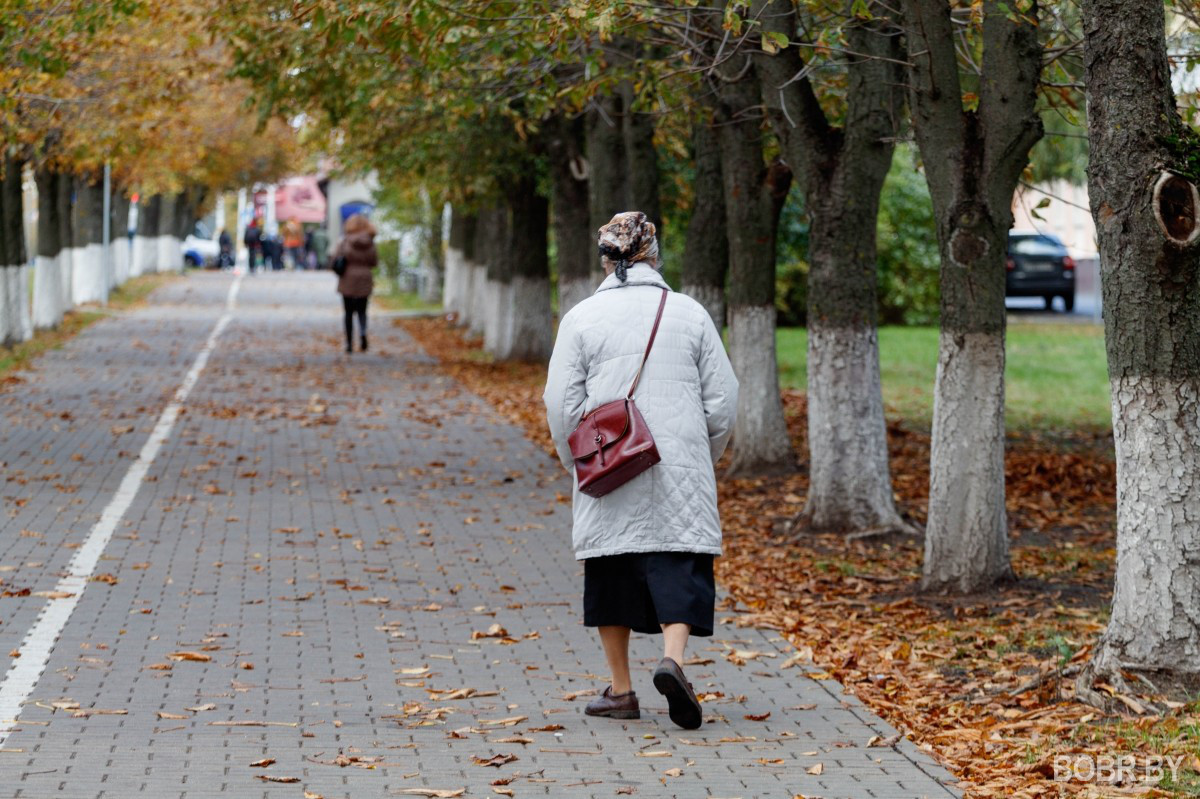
[
  {"x": 573, "y": 292},
  {"x": 1156, "y": 605},
  {"x": 120, "y": 256},
  {"x": 850, "y": 480},
  {"x": 713, "y": 300},
  {"x": 760, "y": 436},
  {"x": 451, "y": 277},
  {"x": 498, "y": 330},
  {"x": 8, "y": 307},
  {"x": 170, "y": 254},
  {"x": 477, "y": 320},
  {"x": 966, "y": 541},
  {"x": 47, "y": 293},
  {"x": 89, "y": 282},
  {"x": 464, "y": 287},
  {"x": 145, "y": 253},
  {"x": 532, "y": 330},
  {"x": 66, "y": 271},
  {"x": 23, "y": 312}
]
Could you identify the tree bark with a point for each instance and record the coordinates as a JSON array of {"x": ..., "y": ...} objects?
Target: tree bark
[
  {"x": 574, "y": 236},
  {"x": 169, "y": 257},
  {"x": 498, "y": 323},
  {"x": 119, "y": 241},
  {"x": 13, "y": 298},
  {"x": 434, "y": 256},
  {"x": 641, "y": 159},
  {"x": 973, "y": 161},
  {"x": 608, "y": 179},
  {"x": 754, "y": 196},
  {"x": 706, "y": 244},
  {"x": 145, "y": 243},
  {"x": 456, "y": 294},
  {"x": 842, "y": 169},
  {"x": 89, "y": 282},
  {"x": 532, "y": 327},
  {"x": 65, "y": 200},
  {"x": 487, "y": 228},
  {"x": 47, "y": 274},
  {"x": 1146, "y": 223}
]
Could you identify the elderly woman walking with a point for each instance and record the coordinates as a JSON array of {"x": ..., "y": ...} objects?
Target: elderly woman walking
[
  {"x": 647, "y": 545},
  {"x": 356, "y": 258}
]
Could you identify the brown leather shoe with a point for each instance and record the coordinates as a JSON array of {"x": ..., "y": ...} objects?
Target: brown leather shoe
[
  {"x": 614, "y": 706},
  {"x": 683, "y": 706}
]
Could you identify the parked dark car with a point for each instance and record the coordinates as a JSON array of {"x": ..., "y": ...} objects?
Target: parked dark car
[{"x": 1040, "y": 266}]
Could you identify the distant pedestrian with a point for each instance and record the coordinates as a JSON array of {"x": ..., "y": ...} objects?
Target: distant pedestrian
[
  {"x": 356, "y": 283},
  {"x": 320, "y": 247},
  {"x": 293, "y": 242},
  {"x": 648, "y": 546},
  {"x": 252, "y": 238},
  {"x": 225, "y": 256}
]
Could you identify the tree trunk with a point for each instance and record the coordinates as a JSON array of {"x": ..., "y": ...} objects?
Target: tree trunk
[
  {"x": 498, "y": 324},
  {"x": 119, "y": 241},
  {"x": 89, "y": 282},
  {"x": 47, "y": 274},
  {"x": 532, "y": 335},
  {"x": 973, "y": 161},
  {"x": 487, "y": 228},
  {"x": 706, "y": 245},
  {"x": 842, "y": 170},
  {"x": 1146, "y": 223},
  {"x": 13, "y": 293},
  {"x": 456, "y": 294},
  {"x": 145, "y": 243},
  {"x": 641, "y": 159},
  {"x": 608, "y": 178},
  {"x": 435, "y": 256},
  {"x": 574, "y": 236},
  {"x": 754, "y": 196},
  {"x": 66, "y": 238},
  {"x": 170, "y": 252}
]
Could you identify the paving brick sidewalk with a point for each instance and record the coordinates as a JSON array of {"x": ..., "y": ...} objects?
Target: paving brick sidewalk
[{"x": 350, "y": 540}]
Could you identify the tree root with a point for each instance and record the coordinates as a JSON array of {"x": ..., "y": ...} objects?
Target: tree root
[
  {"x": 1122, "y": 699},
  {"x": 802, "y": 524}
]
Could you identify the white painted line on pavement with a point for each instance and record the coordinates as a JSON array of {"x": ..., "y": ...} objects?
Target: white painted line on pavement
[{"x": 39, "y": 642}]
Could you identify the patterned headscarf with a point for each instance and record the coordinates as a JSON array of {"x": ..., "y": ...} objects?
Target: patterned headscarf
[{"x": 627, "y": 239}]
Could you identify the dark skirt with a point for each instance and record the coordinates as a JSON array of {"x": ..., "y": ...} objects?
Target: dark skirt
[{"x": 643, "y": 590}]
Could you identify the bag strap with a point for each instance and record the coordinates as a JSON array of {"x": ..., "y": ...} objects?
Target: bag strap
[{"x": 653, "y": 332}]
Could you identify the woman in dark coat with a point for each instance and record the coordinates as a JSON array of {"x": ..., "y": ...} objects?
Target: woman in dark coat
[{"x": 358, "y": 248}]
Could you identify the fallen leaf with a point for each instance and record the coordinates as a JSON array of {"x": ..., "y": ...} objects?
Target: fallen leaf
[
  {"x": 508, "y": 722},
  {"x": 819, "y": 768},
  {"x": 162, "y": 714},
  {"x": 495, "y": 760},
  {"x": 266, "y": 761},
  {"x": 495, "y": 631},
  {"x": 434, "y": 793},
  {"x": 198, "y": 657},
  {"x": 757, "y": 716},
  {"x": 270, "y": 778}
]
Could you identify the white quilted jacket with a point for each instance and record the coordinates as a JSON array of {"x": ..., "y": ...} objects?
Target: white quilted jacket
[{"x": 687, "y": 394}]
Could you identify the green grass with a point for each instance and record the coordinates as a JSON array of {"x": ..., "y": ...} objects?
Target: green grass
[
  {"x": 1056, "y": 378},
  {"x": 404, "y": 301}
]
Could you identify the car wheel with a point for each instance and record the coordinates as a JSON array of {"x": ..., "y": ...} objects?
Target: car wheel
[
  {"x": 190, "y": 262},
  {"x": 1069, "y": 302},
  {"x": 1049, "y": 300}
]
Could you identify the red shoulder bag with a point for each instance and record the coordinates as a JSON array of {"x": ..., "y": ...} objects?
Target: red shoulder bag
[{"x": 612, "y": 444}]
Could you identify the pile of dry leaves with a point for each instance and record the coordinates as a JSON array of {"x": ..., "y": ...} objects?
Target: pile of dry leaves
[{"x": 983, "y": 682}]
